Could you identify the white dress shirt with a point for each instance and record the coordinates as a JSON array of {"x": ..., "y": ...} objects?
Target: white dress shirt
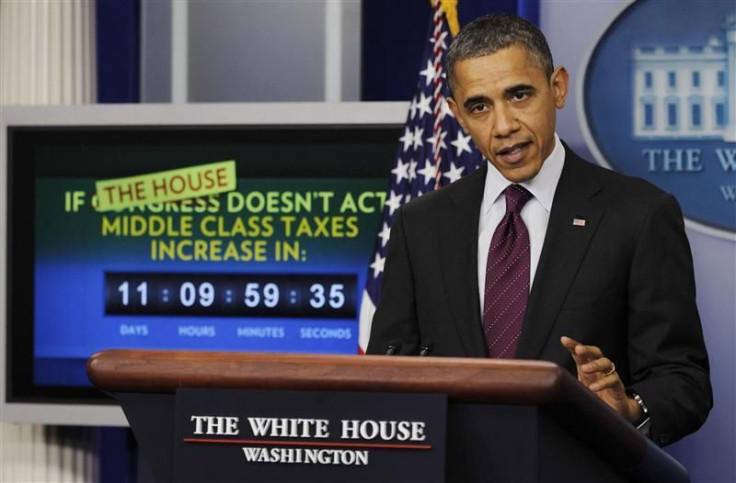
[{"x": 535, "y": 212}]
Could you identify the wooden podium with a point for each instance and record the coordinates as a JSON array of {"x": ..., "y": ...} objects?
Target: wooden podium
[{"x": 508, "y": 420}]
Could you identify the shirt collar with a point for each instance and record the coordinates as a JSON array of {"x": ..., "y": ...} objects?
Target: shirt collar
[{"x": 542, "y": 186}]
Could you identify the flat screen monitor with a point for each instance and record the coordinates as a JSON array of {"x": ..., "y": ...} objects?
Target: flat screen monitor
[{"x": 277, "y": 264}]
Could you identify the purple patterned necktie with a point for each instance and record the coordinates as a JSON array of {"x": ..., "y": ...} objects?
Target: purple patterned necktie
[{"x": 507, "y": 278}]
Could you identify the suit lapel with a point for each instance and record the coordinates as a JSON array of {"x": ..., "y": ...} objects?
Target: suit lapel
[
  {"x": 459, "y": 261},
  {"x": 565, "y": 245}
]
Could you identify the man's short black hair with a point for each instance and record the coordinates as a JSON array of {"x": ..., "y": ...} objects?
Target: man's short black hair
[{"x": 489, "y": 34}]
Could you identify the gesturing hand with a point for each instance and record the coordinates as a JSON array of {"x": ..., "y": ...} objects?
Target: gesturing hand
[{"x": 598, "y": 374}]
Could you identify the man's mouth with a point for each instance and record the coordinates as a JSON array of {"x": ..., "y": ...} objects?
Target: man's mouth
[{"x": 513, "y": 153}]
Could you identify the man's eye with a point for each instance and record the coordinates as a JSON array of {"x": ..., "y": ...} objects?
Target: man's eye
[
  {"x": 478, "y": 108},
  {"x": 519, "y": 96}
]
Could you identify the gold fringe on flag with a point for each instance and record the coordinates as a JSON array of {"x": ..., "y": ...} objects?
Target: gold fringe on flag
[{"x": 450, "y": 9}]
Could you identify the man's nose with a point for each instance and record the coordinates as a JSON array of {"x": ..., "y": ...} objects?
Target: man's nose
[{"x": 506, "y": 121}]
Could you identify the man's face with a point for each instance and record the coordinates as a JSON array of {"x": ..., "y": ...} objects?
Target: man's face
[{"x": 507, "y": 105}]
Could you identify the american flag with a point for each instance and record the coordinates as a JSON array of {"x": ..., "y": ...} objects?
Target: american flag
[{"x": 433, "y": 152}]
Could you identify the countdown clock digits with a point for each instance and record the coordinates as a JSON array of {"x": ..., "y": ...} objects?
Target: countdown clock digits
[
  {"x": 336, "y": 297},
  {"x": 254, "y": 294},
  {"x": 189, "y": 294},
  {"x": 244, "y": 295}
]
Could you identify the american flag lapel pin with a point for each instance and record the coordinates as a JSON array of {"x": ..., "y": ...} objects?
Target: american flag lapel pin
[{"x": 578, "y": 221}]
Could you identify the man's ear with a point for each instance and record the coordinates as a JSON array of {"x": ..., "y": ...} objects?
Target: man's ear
[
  {"x": 456, "y": 112},
  {"x": 559, "y": 83}
]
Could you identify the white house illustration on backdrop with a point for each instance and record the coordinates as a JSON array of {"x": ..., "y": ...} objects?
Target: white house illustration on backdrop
[{"x": 686, "y": 91}]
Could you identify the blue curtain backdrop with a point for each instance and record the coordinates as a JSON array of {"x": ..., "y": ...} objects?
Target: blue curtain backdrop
[
  {"x": 118, "y": 51},
  {"x": 393, "y": 40}
]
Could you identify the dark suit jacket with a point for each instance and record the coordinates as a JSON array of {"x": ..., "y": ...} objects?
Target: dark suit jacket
[{"x": 623, "y": 282}]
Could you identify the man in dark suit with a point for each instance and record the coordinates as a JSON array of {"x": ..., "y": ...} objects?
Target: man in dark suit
[{"x": 600, "y": 261}]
